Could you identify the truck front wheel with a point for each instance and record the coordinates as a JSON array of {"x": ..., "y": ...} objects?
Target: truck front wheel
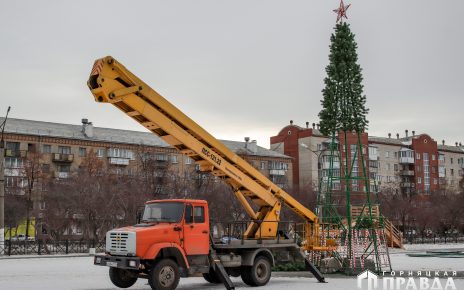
[
  {"x": 164, "y": 275},
  {"x": 258, "y": 274},
  {"x": 123, "y": 278}
]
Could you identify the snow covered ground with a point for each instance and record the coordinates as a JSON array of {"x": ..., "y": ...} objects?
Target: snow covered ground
[
  {"x": 80, "y": 273},
  {"x": 400, "y": 260}
]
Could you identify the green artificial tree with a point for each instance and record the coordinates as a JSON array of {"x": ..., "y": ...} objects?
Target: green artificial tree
[
  {"x": 349, "y": 210},
  {"x": 343, "y": 105}
]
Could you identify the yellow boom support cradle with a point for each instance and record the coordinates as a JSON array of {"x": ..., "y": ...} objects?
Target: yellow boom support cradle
[{"x": 111, "y": 82}]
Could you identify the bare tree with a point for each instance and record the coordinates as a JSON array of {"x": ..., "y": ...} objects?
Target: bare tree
[{"x": 32, "y": 173}]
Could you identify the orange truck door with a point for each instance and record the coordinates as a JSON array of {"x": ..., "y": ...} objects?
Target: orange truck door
[{"x": 196, "y": 230}]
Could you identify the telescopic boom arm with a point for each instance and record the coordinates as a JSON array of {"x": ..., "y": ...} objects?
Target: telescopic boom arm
[{"x": 111, "y": 82}]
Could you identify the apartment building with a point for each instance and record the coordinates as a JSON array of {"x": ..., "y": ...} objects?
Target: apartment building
[
  {"x": 408, "y": 164},
  {"x": 63, "y": 147},
  {"x": 311, "y": 156}
]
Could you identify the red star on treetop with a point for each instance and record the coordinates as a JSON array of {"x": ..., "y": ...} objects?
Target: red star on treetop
[{"x": 341, "y": 11}]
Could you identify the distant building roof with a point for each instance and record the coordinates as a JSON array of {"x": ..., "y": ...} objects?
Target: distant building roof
[
  {"x": 68, "y": 131},
  {"x": 386, "y": 140},
  {"x": 450, "y": 148}
]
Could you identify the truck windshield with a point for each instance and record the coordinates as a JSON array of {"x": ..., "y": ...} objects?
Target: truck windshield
[{"x": 163, "y": 212}]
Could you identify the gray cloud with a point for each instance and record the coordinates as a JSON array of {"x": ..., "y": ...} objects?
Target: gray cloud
[{"x": 239, "y": 68}]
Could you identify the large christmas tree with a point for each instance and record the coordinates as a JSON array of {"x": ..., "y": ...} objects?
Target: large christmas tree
[
  {"x": 348, "y": 204},
  {"x": 343, "y": 105}
]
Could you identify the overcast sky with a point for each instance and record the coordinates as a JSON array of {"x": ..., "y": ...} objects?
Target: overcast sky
[{"x": 238, "y": 68}]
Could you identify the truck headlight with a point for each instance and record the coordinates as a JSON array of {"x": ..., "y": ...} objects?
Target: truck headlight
[{"x": 132, "y": 264}]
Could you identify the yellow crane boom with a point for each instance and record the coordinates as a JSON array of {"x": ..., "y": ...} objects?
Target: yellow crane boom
[{"x": 111, "y": 82}]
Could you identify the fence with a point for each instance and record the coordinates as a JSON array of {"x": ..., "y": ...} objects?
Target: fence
[
  {"x": 433, "y": 240},
  {"x": 49, "y": 248}
]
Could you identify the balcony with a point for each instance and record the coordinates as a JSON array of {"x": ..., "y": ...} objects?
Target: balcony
[
  {"x": 14, "y": 172},
  {"x": 441, "y": 171},
  {"x": 406, "y": 160},
  {"x": 62, "y": 175},
  {"x": 373, "y": 156},
  {"x": 58, "y": 157},
  {"x": 407, "y": 172},
  {"x": 407, "y": 184},
  {"x": 326, "y": 165},
  {"x": 277, "y": 172},
  {"x": 16, "y": 153},
  {"x": 118, "y": 161}
]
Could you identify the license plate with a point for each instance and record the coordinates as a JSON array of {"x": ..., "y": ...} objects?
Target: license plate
[{"x": 112, "y": 264}]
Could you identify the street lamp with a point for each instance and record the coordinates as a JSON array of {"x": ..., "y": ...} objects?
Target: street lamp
[{"x": 2, "y": 184}]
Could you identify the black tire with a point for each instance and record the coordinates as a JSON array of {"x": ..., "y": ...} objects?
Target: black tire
[
  {"x": 164, "y": 276},
  {"x": 123, "y": 278},
  {"x": 259, "y": 274},
  {"x": 212, "y": 277}
]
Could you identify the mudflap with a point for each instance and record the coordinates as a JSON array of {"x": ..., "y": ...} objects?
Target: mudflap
[{"x": 220, "y": 270}]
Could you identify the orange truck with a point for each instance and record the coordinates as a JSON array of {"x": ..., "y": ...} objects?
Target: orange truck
[{"x": 174, "y": 238}]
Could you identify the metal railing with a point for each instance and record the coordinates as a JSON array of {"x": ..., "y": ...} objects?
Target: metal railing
[
  {"x": 226, "y": 232},
  {"x": 39, "y": 247}
]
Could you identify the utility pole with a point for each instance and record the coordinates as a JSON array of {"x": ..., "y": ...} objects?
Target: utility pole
[{"x": 2, "y": 185}]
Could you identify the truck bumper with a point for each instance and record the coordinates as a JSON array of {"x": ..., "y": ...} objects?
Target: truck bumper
[{"x": 121, "y": 262}]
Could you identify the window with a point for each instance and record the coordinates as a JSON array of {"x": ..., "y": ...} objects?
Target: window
[
  {"x": 100, "y": 152},
  {"x": 161, "y": 157},
  {"x": 395, "y": 166},
  {"x": 419, "y": 180},
  {"x": 451, "y": 160},
  {"x": 396, "y": 154},
  {"x": 13, "y": 146},
  {"x": 418, "y": 156},
  {"x": 64, "y": 168},
  {"x": 47, "y": 148},
  {"x": 82, "y": 152},
  {"x": 188, "y": 214},
  {"x": 64, "y": 149},
  {"x": 441, "y": 157},
  {"x": 174, "y": 159},
  {"x": 452, "y": 172},
  {"x": 263, "y": 165},
  {"x": 433, "y": 157},
  {"x": 426, "y": 156},
  {"x": 119, "y": 153},
  {"x": 387, "y": 154},
  {"x": 388, "y": 167},
  {"x": 188, "y": 160},
  {"x": 13, "y": 162},
  {"x": 199, "y": 215},
  {"x": 45, "y": 168},
  {"x": 435, "y": 181}
]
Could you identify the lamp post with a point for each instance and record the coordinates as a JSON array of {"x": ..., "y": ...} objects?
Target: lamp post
[{"x": 2, "y": 185}]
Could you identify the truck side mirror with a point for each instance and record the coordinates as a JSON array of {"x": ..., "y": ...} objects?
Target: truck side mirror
[{"x": 138, "y": 215}]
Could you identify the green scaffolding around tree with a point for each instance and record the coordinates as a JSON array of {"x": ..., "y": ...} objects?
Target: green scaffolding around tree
[{"x": 348, "y": 206}]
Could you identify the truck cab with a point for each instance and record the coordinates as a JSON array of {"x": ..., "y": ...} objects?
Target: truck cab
[{"x": 175, "y": 230}]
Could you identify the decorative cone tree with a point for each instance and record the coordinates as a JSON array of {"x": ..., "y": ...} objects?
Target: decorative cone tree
[
  {"x": 346, "y": 207},
  {"x": 343, "y": 105}
]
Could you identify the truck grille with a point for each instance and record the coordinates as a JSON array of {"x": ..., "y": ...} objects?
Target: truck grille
[{"x": 120, "y": 243}]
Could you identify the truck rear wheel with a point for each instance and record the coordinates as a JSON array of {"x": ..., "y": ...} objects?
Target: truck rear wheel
[
  {"x": 123, "y": 278},
  {"x": 259, "y": 274},
  {"x": 164, "y": 276}
]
